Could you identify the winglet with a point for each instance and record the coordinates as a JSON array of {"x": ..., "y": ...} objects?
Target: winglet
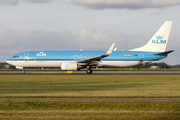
[{"x": 110, "y": 50}]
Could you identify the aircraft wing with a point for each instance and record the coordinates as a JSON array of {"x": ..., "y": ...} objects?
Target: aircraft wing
[{"x": 95, "y": 60}]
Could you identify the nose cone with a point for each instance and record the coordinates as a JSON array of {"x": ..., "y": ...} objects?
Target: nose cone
[
  {"x": 11, "y": 62},
  {"x": 8, "y": 61}
]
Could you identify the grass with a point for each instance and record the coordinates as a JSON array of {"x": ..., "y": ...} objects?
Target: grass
[
  {"x": 90, "y": 86},
  {"x": 136, "y": 110},
  {"x": 84, "y": 71}
]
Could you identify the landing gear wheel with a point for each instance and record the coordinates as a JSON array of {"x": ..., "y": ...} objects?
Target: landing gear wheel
[
  {"x": 23, "y": 71},
  {"x": 88, "y": 71}
]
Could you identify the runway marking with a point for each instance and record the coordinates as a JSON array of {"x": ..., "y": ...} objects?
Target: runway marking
[{"x": 89, "y": 99}]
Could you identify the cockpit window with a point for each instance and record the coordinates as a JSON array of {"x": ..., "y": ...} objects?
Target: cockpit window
[{"x": 15, "y": 56}]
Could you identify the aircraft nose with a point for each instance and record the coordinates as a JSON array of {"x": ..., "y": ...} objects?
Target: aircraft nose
[{"x": 8, "y": 59}]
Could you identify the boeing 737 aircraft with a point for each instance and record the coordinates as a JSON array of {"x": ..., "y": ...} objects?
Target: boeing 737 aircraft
[{"x": 75, "y": 60}]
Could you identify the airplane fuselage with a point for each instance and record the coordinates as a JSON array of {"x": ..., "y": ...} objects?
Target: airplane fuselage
[{"x": 55, "y": 58}]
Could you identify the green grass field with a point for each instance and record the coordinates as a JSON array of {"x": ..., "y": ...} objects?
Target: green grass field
[
  {"x": 138, "y": 110},
  {"x": 90, "y": 86}
]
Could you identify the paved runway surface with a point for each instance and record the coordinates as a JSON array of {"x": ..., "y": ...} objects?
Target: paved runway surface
[
  {"x": 95, "y": 73},
  {"x": 89, "y": 99}
]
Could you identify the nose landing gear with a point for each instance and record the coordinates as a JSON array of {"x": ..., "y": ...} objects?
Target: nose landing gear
[{"x": 23, "y": 71}]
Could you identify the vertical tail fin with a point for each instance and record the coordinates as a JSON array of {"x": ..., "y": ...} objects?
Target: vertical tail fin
[{"x": 159, "y": 41}]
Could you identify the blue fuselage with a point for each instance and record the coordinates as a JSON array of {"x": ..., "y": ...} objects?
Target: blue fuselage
[{"x": 83, "y": 55}]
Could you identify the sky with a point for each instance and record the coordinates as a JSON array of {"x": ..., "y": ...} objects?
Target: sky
[{"x": 30, "y": 25}]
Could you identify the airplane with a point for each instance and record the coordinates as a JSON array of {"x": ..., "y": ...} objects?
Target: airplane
[{"x": 153, "y": 51}]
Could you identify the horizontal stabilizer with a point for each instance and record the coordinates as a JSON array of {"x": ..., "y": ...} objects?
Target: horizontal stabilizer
[{"x": 164, "y": 53}]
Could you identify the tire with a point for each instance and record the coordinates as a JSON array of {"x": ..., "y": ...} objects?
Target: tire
[
  {"x": 89, "y": 71},
  {"x": 23, "y": 72}
]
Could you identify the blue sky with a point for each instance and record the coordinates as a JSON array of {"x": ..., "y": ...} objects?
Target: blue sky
[{"x": 27, "y": 25}]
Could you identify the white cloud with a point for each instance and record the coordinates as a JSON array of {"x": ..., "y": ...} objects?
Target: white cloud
[
  {"x": 125, "y": 4},
  {"x": 16, "y": 2},
  {"x": 9, "y": 2},
  {"x": 38, "y": 1},
  {"x": 89, "y": 35}
]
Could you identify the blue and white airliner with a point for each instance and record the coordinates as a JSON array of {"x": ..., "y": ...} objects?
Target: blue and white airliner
[{"x": 75, "y": 60}]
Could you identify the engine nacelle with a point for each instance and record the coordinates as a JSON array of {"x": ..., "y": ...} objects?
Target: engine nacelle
[{"x": 69, "y": 66}]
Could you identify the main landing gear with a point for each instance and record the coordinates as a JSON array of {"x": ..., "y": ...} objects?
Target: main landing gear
[{"x": 88, "y": 71}]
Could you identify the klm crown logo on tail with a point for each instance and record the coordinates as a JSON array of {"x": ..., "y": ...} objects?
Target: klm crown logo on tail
[{"x": 159, "y": 40}]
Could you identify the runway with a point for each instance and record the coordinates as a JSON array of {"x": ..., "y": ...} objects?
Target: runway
[
  {"x": 93, "y": 74},
  {"x": 89, "y": 99}
]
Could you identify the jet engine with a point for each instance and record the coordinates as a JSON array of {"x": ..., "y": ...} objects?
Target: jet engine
[{"x": 69, "y": 66}]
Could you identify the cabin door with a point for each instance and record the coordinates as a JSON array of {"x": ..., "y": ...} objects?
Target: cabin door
[{"x": 141, "y": 57}]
